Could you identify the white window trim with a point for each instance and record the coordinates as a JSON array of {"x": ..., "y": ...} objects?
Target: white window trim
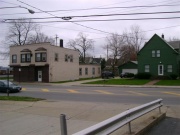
[
  {"x": 153, "y": 53},
  {"x": 147, "y": 68},
  {"x": 158, "y": 53},
  {"x": 14, "y": 58},
  {"x": 169, "y": 69},
  {"x": 159, "y": 72}
]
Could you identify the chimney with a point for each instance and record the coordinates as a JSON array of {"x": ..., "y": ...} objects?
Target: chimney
[
  {"x": 61, "y": 43},
  {"x": 162, "y": 36}
]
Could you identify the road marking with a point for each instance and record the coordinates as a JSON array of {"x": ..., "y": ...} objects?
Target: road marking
[
  {"x": 23, "y": 89},
  {"x": 172, "y": 93},
  {"x": 104, "y": 92},
  {"x": 138, "y": 93},
  {"x": 72, "y": 91},
  {"x": 45, "y": 90}
]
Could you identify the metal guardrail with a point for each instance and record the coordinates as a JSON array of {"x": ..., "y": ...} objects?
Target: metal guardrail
[{"x": 112, "y": 124}]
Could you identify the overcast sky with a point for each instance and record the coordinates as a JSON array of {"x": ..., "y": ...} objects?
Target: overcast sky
[{"x": 68, "y": 30}]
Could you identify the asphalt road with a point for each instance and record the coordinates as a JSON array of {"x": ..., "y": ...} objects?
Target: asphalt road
[
  {"x": 129, "y": 95},
  {"x": 102, "y": 94}
]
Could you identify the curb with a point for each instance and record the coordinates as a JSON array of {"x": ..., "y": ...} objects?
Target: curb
[
  {"x": 128, "y": 86},
  {"x": 151, "y": 125}
]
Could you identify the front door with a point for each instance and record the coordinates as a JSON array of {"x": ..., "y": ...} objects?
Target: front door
[
  {"x": 39, "y": 76},
  {"x": 160, "y": 70}
]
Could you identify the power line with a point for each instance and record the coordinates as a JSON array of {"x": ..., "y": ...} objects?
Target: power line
[
  {"x": 66, "y": 21},
  {"x": 146, "y": 7},
  {"x": 150, "y": 30},
  {"x": 71, "y": 29},
  {"x": 97, "y": 9},
  {"x": 127, "y": 7},
  {"x": 8, "y": 7},
  {"x": 68, "y": 12},
  {"x": 8, "y": 2},
  {"x": 101, "y": 15},
  {"x": 103, "y": 20}
]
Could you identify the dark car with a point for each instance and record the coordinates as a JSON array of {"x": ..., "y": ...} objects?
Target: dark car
[
  {"x": 107, "y": 74},
  {"x": 126, "y": 75},
  {"x": 12, "y": 87}
]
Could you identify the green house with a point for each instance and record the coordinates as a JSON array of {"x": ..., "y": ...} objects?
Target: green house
[{"x": 159, "y": 57}]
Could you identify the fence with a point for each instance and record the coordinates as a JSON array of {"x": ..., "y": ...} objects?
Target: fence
[{"x": 112, "y": 124}]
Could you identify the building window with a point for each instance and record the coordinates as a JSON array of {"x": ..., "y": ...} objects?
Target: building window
[
  {"x": 146, "y": 68},
  {"x": 71, "y": 58},
  {"x": 80, "y": 71},
  {"x": 40, "y": 57},
  {"x": 169, "y": 68},
  {"x": 93, "y": 71},
  {"x": 23, "y": 57},
  {"x": 98, "y": 70},
  {"x": 158, "y": 53},
  {"x": 66, "y": 57},
  {"x": 153, "y": 53},
  {"x": 26, "y": 57},
  {"x": 43, "y": 56},
  {"x": 86, "y": 71},
  {"x": 14, "y": 58},
  {"x": 56, "y": 57}
]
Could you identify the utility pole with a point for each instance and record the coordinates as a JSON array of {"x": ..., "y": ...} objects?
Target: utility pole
[
  {"x": 107, "y": 52},
  {"x": 56, "y": 39},
  {"x": 179, "y": 59}
]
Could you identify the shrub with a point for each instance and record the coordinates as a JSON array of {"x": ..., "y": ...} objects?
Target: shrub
[
  {"x": 130, "y": 75},
  {"x": 173, "y": 76},
  {"x": 143, "y": 76}
]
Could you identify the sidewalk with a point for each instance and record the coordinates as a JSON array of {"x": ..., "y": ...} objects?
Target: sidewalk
[
  {"x": 42, "y": 118},
  {"x": 80, "y": 83}
]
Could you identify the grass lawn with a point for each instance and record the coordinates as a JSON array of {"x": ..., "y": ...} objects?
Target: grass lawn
[
  {"x": 81, "y": 79},
  {"x": 5, "y": 78},
  {"x": 17, "y": 98},
  {"x": 169, "y": 82},
  {"x": 120, "y": 82}
]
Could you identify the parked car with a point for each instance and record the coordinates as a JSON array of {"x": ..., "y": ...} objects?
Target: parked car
[
  {"x": 126, "y": 75},
  {"x": 107, "y": 74},
  {"x": 12, "y": 87}
]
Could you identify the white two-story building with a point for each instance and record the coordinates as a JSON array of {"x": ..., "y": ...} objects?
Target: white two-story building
[{"x": 44, "y": 62}]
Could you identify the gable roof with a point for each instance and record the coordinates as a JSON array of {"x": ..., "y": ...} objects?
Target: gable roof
[
  {"x": 97, "y": 60},
  {"x": 155, "y": 35},
  {"x": 175, "y": 44},
  {"x": 134, "y": 62},
  {"x": 91, "y": 60}
]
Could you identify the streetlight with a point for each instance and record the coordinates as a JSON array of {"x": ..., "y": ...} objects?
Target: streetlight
[{"x": 29, "y": 10}]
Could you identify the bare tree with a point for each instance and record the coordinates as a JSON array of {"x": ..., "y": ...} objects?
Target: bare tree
[
  {"x": 173, "y": 39},
  {"x": 39, "y": 37},
  {"x": 135, "y": 37},
  {"x": 82, "y": 44},
  {"x": 128, "y": 53},
  {"x": 114, "y": 45},
  {"x": 19, "y": 31}
]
